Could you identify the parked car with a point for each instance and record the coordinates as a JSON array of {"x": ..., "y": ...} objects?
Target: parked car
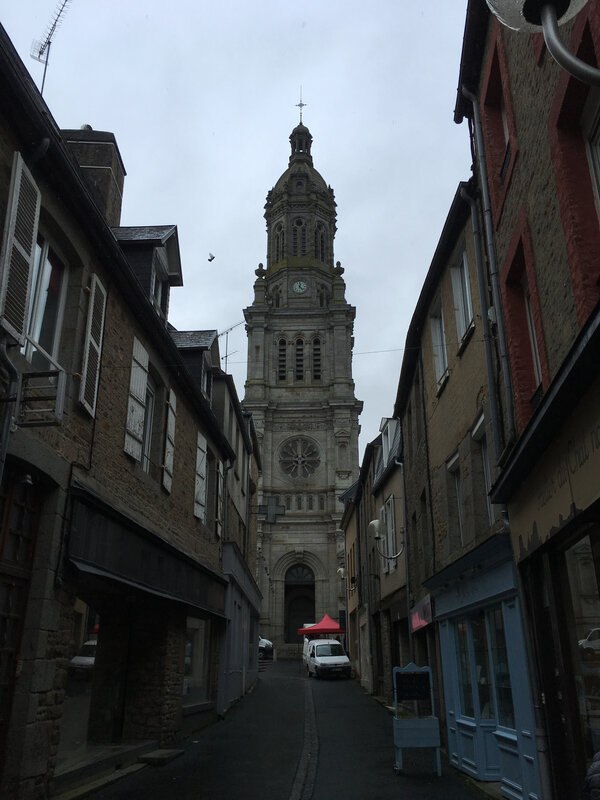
[
  {"x": 265, "y": 647},
  {"x": 591, "y": 643},
  {"x": 82, "y": 664},
  {"x": 327, "y": 658}
]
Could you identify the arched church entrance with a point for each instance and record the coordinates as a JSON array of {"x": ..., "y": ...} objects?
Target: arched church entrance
[{"x": 299, "y": 606}]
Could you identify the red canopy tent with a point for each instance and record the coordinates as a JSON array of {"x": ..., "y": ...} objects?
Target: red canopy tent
[{"x": 326, "y": 625}]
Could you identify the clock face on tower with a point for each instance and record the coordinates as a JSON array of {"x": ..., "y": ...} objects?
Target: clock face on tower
[{"x": 300, "y": 287}]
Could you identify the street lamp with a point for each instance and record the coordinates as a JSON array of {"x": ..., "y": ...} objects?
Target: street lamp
[{"x": 533, "y": 16}]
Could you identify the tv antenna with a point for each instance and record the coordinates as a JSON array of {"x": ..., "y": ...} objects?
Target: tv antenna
[
  {"x": 225, "y": 333},
  {"x": 41, "y": 50}
]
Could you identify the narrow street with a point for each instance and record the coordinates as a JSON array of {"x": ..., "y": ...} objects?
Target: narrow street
[{"x": 296, "y": 739}]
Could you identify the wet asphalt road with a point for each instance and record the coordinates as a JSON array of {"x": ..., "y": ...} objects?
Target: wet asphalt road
[{"x": 296, "y": 739}]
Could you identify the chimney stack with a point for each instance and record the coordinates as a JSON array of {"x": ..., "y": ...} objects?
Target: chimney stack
[{"x": 98, "y": 156}]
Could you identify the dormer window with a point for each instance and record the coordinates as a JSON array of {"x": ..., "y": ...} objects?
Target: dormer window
[{"x": 159, "y": 284}]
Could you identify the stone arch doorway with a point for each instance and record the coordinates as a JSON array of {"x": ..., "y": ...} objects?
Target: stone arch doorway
[{"x": 299, "y": 605}]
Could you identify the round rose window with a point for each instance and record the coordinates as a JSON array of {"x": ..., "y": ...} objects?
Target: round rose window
[{"x": 299, "y": 457}]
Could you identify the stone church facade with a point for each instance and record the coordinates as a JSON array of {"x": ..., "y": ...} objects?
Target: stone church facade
[{"x": 300, "y": 392}]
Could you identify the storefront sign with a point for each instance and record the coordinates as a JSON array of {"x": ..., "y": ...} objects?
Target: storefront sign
[{"x": 420, "y": 614}]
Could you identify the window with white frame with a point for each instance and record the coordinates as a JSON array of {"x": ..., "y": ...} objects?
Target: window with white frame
[
  {"x": 455, "y": 516},
  {"x": 201, "y": 483},
  {"x": 18, "y": 249},
  {"x": 388, "y": 543},
  {"x": 147, "y": 428},
  {"x": 388, "y": 431},
  {"x": 438, "y": 341},
  {"x": 535, "y": 351},
  {"x": 463, "y": 308},
  {"x": 92, "y": 351},
  {"x": 46, "y": 305}
]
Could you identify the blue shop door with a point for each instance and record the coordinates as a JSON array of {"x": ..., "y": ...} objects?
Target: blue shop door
[
  {"x": 470, "y": 708},
  {"x": 491, "y": 733}
]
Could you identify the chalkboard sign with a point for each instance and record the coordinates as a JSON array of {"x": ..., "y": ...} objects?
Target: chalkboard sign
[{"x": 412, "y": 685}]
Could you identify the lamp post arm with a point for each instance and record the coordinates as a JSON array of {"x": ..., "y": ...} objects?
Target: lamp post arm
[
  {"x": 383, "y": 555},
  {"x": 573, "y": 65}
]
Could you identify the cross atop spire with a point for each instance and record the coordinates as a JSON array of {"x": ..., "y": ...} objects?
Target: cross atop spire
[{"x": 301, "y": 105}]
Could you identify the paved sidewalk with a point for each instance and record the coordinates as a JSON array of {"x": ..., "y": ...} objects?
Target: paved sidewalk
[{"x": 295, "y": 739}]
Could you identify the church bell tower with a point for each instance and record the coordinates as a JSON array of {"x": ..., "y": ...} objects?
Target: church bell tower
[{"x": 300, "y": 391}]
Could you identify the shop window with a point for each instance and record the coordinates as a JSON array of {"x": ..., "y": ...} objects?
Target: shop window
[
  {"x": 196, "y": 677},
  {"x": 502, "y": 682},
  {"x": 583, "y": 567},
  {"x": 482, "y": 667},
  {"x": 465, "y": 687}
]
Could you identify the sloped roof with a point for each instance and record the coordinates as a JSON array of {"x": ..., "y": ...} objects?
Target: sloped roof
[
  {"x": 193, "y": 340},
  {"x": 155, "y": 234}
]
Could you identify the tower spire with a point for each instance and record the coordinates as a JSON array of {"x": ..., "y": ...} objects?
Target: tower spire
[{"x": 301, "y": 105}]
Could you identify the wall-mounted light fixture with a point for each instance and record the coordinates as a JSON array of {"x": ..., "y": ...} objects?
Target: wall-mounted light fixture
[
  {"x": 533, "y": 16},
  {"x": 375, "y": 527}
]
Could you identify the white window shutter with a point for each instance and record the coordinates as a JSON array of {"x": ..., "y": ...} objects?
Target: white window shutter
[
  {"x": 90, "y": 373},
  {"x": 219, "y": 514},
  {"x": 18, "y": 249},
  {"x": 170, "y": 441},
  {"x": 200, "y": 487},
  {"x": 383, "y": 542},
  {"x": 136, "y": 410},
  {"x": 391, "y": 532}
]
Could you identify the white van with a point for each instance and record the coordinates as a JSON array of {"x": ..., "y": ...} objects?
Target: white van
[{"x": 327, "y": 658}]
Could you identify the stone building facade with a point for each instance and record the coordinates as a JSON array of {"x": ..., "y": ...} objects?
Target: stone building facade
[
  {"x": 540, "y": 171},
  {"x": 300, "y": 392},
  {"x": 113, "y": 468}
]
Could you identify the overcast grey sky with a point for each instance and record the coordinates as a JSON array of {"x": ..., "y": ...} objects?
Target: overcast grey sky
[{"x": 201, "y": 98}]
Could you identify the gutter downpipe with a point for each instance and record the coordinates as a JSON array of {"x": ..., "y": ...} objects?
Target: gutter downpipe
[
  {"x": 366, "y": 583},
  {"x": 7, "y": 402},
  {"x": 491, "y": 378},
  {"x": 494, "y": 278},
  {"x": 400, "y": 465}
]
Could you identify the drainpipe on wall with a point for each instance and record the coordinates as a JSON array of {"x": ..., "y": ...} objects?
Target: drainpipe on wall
[
  {"x": 491, "y": 250},
  {"x": 6, "y": 404},
  {"x": 366, "y": 583},
  {"x": 411, "y": 654},
  {"x": 491, "y": 377}
]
